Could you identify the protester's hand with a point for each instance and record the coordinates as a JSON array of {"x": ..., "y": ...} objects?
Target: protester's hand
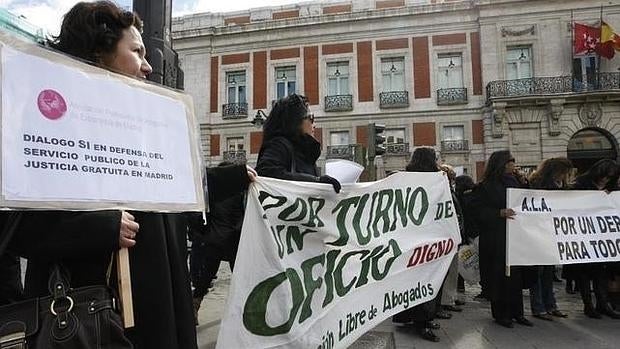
[
  {"x": 331, "y": 180},
  {"x": 129, "y": 230},
  {"x": 251, "y": 173},
  {"x": 507, "y": 213}
]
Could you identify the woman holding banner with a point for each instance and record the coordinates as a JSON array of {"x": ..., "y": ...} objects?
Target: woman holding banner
[
  {"x": 421, "y": 316},
  {"x": 552, "y": 174},
  {"x": 289, "y": 150},
  {"x": 83, "y": 242},
  {"x": 601, "y": 176},
  {"x": 505, "y": 291}
]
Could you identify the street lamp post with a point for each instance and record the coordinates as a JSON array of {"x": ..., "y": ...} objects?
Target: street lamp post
[{"x": 259, "y": 119}]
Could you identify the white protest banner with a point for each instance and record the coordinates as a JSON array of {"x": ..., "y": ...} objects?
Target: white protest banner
[
  {"x": 316, "y": 269},
  {"x": 78, "y": 137},
  {"x": 563, "y": 227}
]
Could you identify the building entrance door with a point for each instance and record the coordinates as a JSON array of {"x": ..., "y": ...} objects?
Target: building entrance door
[{"x": 590, "y": 145}]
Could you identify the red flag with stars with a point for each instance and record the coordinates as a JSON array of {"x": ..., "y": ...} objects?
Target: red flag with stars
[{"x": 586, "y": 39}]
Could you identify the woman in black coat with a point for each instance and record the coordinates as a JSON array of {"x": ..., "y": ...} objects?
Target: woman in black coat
[
  {"x": 84, "y": 242},
  {"x": 601, "y": 176},
  {"x": 289, "y": 150},
  {"x": 421, "y": 316},
  {"x": 552, "y": 174},
  {"x": 490, "y": 202}
]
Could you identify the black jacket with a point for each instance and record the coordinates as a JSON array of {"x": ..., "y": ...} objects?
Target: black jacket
[
  {"x": 293, "y": 160},
  {"x": 84, "y": 243}
]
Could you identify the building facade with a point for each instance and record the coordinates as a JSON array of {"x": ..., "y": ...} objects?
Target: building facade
[{"x": 466, "y": 77}]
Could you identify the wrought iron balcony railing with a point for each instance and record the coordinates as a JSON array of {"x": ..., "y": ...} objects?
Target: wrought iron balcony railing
[
  {"x": 346, "y": 152},
  {"x": 394, "y": 99},
  {"x": 553, "y": 85},
  {"x": 236, "y": 156},
  {"x": 339, "y": 103},
  {"x": 457, "y": 146},
  {"x": 234, "y": 111},
  {"x": 451, "y": 96},
  {"x": 397, "y": 148}
]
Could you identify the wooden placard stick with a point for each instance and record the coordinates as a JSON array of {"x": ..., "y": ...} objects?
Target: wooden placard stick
[{"x": 124, "y": 286}]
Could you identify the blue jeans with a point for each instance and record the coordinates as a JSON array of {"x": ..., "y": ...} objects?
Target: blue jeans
[{"x": 542, "y": 298}]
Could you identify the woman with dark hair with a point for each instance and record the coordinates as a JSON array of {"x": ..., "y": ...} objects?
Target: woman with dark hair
[
  {"x": 83, "y": 242},
  {"x": 552, "y": 174},
  {"x": 601, "y": 176},
  {"x": 490, "y": 202},
  {"x": 289, "y": 150},
  {"x": 422, "y": 315}
]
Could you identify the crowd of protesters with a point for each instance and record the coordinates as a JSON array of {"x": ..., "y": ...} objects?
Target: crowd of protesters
[{"x": 83, "y": 242}]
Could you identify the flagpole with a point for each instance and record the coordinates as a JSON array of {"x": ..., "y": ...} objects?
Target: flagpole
[
  {"x": 572, "y": 49},
  {"x": 600, "y": 37}
]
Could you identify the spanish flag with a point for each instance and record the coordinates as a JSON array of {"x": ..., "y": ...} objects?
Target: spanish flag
[
  {"x": 609, "y": 42},
  {"x": 609, "y": 36}
]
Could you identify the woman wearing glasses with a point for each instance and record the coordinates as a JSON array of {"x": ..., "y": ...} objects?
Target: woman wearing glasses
[{"x": 289, "y": 149}]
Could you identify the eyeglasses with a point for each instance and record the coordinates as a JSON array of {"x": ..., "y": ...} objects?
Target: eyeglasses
[{"x": 309, "y": 117}]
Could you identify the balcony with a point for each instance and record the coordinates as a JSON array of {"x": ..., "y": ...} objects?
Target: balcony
[
  {"x": 346, "y": 152},
  {"x": 234, "y": 111},
  {"x": 235, "y": 156},
  {"x": 397, "y": 149},
  {"x": 458, "y": 146},
  {"x": 451, "y": 96},
  {"x": 394, "y": 99},
  {"x": 543, "y": 86},
  {"x": 339, "y": 103}
]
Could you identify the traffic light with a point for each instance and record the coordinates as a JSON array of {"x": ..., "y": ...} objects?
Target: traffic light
[{"x": 375, "y": 140}]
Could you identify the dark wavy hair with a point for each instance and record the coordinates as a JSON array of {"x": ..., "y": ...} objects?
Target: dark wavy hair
[
  {"x": 423, "y": 159},
  {"x": 91, "y": 30},
  {"x": 463, "y": 183},
  {"x": 285, "y": 118},
  {"x": 544, "y": 176},
  {"x": 601, "y": 169},
  {"x": 496, "y": 166}
]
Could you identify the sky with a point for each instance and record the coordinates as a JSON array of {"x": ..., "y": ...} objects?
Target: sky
[{"x": 48, "y": 13}]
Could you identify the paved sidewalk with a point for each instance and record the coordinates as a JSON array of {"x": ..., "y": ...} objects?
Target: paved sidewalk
[{"x": 471, "y": 329}]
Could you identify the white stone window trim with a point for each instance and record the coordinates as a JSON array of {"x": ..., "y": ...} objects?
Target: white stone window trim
[
  {"x": 223, "y": 84},
  {"x": 466, "y": 61},
  {"x": 272, "y": 66},
  {"x": 379, "y": 56},
  {"x": 535, "y": 52}
]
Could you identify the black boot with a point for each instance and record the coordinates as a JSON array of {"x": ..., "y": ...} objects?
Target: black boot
[
  {"x": 609, "y": 311},
  {"x": 590, "y": 312},
  {"x": 429, "y": 335}
]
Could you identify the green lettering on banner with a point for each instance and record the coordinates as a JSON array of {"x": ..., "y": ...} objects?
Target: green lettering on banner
[
  {"x": 310, "y": 284},
  {"x": 341, "y": 218},
  {"x": 386, "y": 198},
  {"x": 255, "y": 309},
  {"x": 362, "y": 238},
  {"x": 400, "y": 208},
  {"x": 313, "y": 220},
  {"x": 378, "y": 275},
  {"x": 329, "y": 276},
  {"x": 363, "y": 277},
  {"x": 285, "y": 215},
  {"x": 423, "y": 209},
  {"x": 342, "y": 290}
]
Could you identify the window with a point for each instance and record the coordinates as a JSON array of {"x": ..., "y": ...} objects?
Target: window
[
  {"x": 393, "y": 73},
  {"x": 339, "y": 138},
  {"x": 454, "y": 133},
  {"x": 235, "y": 83},
  {"x": 450, "y": 71},
  {"x": 338, "y": 78},
  {"x": 234, "y": 143},
  {"x": 519, "y": 63},
  {"x": 286, "y": 78},
  {"x": 395, "y": 136},
  {"x": 584, "y": 69}
]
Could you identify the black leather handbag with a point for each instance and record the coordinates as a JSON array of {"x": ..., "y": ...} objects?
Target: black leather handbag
[{"x": 81, "y": 318}]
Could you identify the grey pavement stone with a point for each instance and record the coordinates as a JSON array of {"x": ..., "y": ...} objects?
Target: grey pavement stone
[{"x": 471, "y": 329}]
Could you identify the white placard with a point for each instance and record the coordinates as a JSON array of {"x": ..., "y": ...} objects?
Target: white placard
[
  {"x": 563, "y": 227},
  {"x": 78, "y": 137},
  {"x": 345, "y": 171}
]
